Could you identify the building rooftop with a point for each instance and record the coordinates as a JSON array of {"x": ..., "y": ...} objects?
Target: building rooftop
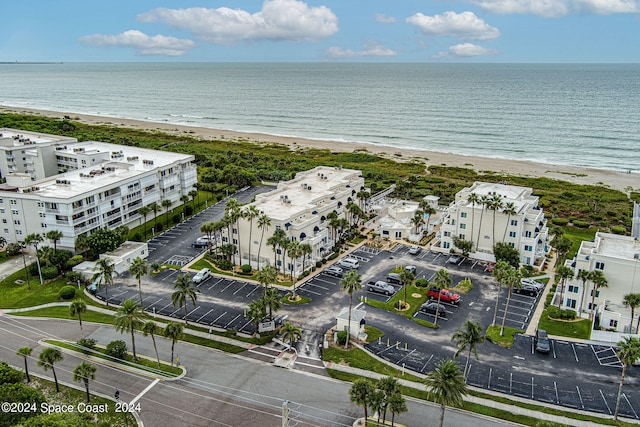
[
  {"x": 511, "y": 192},
  {"x": 616, "y": 246},
  {"x": 10, "y": 138}
]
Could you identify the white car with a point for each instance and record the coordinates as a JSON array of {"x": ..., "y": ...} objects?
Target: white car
[
  {"x": 201, "y": 276},
  {"x": 350, "y": 263},
  {"x": 415, "y": 250},
  {"x": 529, "y": 281}
]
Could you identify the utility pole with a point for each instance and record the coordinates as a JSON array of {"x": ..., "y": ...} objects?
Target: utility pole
[{"x": 285, "y": 413}]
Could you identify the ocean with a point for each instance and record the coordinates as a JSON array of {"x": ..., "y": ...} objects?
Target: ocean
[{"x": 568, "y": 114}]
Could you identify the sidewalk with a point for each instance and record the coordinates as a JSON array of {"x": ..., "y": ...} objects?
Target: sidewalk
[{"x": 533, "y": 323}]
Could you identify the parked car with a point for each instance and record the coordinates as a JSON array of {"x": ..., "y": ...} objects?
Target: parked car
[
  {"x": 526, "y": 289},
  {"x": 415, "y": 250},
  {"x": 542, "y": 341},
  {"x": 433, "y": 308},
  {"x": 445, "y": 295},
  {"x": 529, "y": 281},
  {"x": 394, "y": 278},
  {"x": 411, "y": 269},
  {"x": 490, "y": 267},
  {"x": 382, "y": 287},
  {"x": 201, "y": 242},
  {"x": 454, "y": 259},
  {"x": 350, "y": 263},
  {"x": 201, "y": 276},
  {"x": 334, "y": 270}
]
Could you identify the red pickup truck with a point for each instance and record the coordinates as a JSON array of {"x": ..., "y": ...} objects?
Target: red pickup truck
[{"x": 445, "y": 295}]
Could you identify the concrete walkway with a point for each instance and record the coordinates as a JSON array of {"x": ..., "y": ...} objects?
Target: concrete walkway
[{"x": 533, "y": 323}]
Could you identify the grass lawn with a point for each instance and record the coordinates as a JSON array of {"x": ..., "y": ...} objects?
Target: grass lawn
[
  {"x": 301, "y": 300},
  {"x": 576, "y": 329},
  {"x": 63, "y": 313},
  {"x": 19, "y": 296},
  {"x": 360, "y": 359},
  {"x": 414, "y": 302},
  {"x": 373, "y": 334},
  {"x": 463, "y": 287},
  {"x": 493, "y": 335},
  {"x": 577, "y": 235}
]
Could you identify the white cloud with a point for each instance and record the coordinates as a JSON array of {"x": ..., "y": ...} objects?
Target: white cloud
[
  {"x": 558, "y": 8},
  {"x": 370, "y": 50},
  {"x": 142, "y": 43},
  {"x": 466, "y": 50},
  {"x": 384, "y": 19},
  {"x": 277, "y": 20},
  {"x": 465, "y": 25}
]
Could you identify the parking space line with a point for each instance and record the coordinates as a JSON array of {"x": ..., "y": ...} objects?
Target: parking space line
[
  {"x": 255, "y": 288},
  {"x": 307, "y": 290},
  {"x": 218, "y": 318},
  {"x": 555, "y": 385},
  {"x": 605, "y": 402},
  {"x": 204, "y": 315},
  {"x": 630, "y": 406},
  {"x": 227, "y": 287},
  {"x": 240, "y": 288},
  {"x": 175, "y": 311},
  {"x": 232, "y": 320},
  {"x": 166, "y": 306},
  {"x": 191, "y": 312},
  {"x": 574, "y": 352},
  {"x": 580, "y": 396},
  {"x": 426, "y": 363},
  {"x": 317, "y": 286},
  {"x": 211, "y": 287},
  {"x": 404, "y": 357},
  {"x": 245, "y": 325}
]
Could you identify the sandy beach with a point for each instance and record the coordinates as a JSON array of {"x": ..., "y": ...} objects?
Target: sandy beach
[{"x": 617, "y": 180}]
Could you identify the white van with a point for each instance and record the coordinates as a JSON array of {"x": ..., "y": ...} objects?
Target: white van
[
  {"x": 201, "y": 276},
  {"x": 351, "y": 263}
]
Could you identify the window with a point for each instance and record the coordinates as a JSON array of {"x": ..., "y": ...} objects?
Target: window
[
  {"x": 528, "y": 248},
  {"x": 6, "y": 231},
  {"x": 453, "y": 222},
  {"x": 463, "y": 226},
  {"x": 461, "y": 236},
  {"x": 16, "y": 222},
  {"x": 571, "y": 303},
  {"x": 513, "y": 245},
  {"x": 446, "y": 245},
  {"x": 43, "y": 225},
  {"x": 527, "y": 234},
  {"x": 599, "y": 265},
  {"x": 19, "y": 232},
  {"x": 14, "y": 202},
  {"x": 595, "y": 306},
  {"x": 447, "y": 234},
  {"x": 4, "y": 221},
  {"x": 573, "y": 289},
  {"x": 597, "y": 293},
  {"x": 15, "y": 212},
  {"x": 1, "y": 210},
  {"x": 514, "y": 222},
  {"x": 512, "y": 234},
  {"x": 613, "y": 323},
  {"x": 463, "y": 214},
  {"x": 1, "y": 200}
]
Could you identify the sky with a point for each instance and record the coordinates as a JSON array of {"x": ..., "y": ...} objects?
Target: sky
[{"x": 505, "y": 31}]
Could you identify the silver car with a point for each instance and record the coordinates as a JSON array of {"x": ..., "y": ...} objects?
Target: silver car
[{"x": 381, "y": 287}]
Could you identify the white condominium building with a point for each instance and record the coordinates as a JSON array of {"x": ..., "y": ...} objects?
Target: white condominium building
[
  {"x": 79, "y": 187},
  {"x": 518, "y": 221},
  {"x": 299, "y": 207},
  {"x": 618, "y": 258}
]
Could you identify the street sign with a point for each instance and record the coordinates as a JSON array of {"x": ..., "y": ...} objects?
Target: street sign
[{"x": 267, "y": 326}]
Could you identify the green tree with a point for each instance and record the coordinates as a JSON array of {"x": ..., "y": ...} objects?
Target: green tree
[
  {"x": 25, "y": 352},
  {"x": 166, "y": 204},
  {"x": 407, "y": 278},
  {"x": 305, "y": 250},
  {"x": 512, "y": 279},
  {"x": 151, "y": 328},
  {"x": 388, "y": 386},
  {"x": 446, "y": 386},
  {"x": 563, "y": 273},
  {"x": 509, "y": 210},
  {"x": 173, "y": 331},
  {"x": 104, "y": 275},
  {"x": 84, "y": 372},
  {"x": 264, "y": 222},
  {"x": 193, "y": 194},
  {"x": 484, "y": 201},
  {"x": 290, "y": 333},
  {"x": 34, "y": 239},
  {"x": 360, "y": 393},
  {"x": 563, "y": 246},
  {"x": 54, "y": 236},
  {"x": 507, "y": 253},
  {"x": 442, "y": 280},
  {"x": 294, "y": 253},
  {"x": 144, "y": 211},
  {"x": 474, "y": 199},
  {"x": 82, "y": 243},
  {"x": 47, "y": 360},
  {"x": 184, "y": 290},
  {"x": 584, "y": 276},
  {"x": 257, "y": 311},
  {"x": 272, "y": 301},
  {"x": 599, "y": 281},
  {"x": 417, "y": 220},
  {"x": 495, "y": 204},
  {"x": 629, "y": 353},
  {"x": 251, "y": 213},
  {"x": 350, "y": 283},
  {"x": 138, "y": 269},
  {"x": 397, "y": 405},
  {"x": 103, "y": 240},
  {"x": 462, "y": 244},
  {"x": 78, "y": 308},
  {"x": 266, "y": 277},
  {"x": 129, "y": 318},
  {"x": 468, "y": 339},
  {"x": 632, "y": 301},
  {"x": 209, "y": 229},
  {"x": 499, "y": 273},
  {"x": 153, "y": 207}
]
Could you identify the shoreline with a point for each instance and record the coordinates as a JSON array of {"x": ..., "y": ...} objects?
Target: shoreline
[{"x": 579, "y": 175}]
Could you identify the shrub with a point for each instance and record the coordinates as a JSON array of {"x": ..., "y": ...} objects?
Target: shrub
[
  {"x": 13, "y": 249},
  {"x": 303, "y": 274},
  {"x": 342, "y": 337},
  {"x": 333, "y": 256},
  {"x": 117, "y": 349},
  {"x": 20, "y": 393},
  {"x": 74, "y": 260},
  {"x": 618, "y": 229},
  {"x": 318, "y": 264},
  {"x": 422, "y": 282},
  {"x": 67, "y": 292},
  {"x": 175, "y": 218},
  {"x": 581, "y": 223},
  {"x": 224, "y": 264},
  {"x": 560, "y": 221},
  {"x": 137, "y": 237},
  {"x": 246, "y": 268},
  {"x": 49, "y": 272},
  {"x": 88, "y": 345},
  {"x": 8, "y": 375},
  {"x": 157, "y": 228},
  {"x": 188, "y": 210}
]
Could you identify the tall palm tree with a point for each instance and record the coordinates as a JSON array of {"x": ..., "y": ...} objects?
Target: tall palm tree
[
  {"x": 129, "y": 318},
  {"x": 193, "y": 194},
  {"x": 406, "y": 277},
  {"x": 509, "y": 209},
  {"x": 360, "y": 393},
  {"x": 78, "y": 308},
  {"x": 585, "y": 276},
  {"x": 512, "y": 279},
  {"x": 209, "y": 230},
  {"x": 397, "y": 405},
  {"x": 629, "y": 353},
  {"x": 104, "y": 275},
  {"x": 388, "y": 386},
  {"x": 632, "y": 301},
  {"x": 184, "y": 199},
  {"x": 484, "y": 201},
  {"x": 266, "y": 276},
  {"x": 235, "y": 214},
  {"x": 34, "y": 239},
  {"x": 46, "y": 255},
  {"x": 25, "y": 352},
  {"x": 468, "y": 339},
  {"x": 294, "y": 253},
  {"x": 446, "y": 385},
  {"x": 153, "y": 207},
  {"x": 442, "y": 280},
  {"x": 151, "y": 328},
  {"x": 47, "y": 360},
  {"x": 264, "y": 222},
  {"x": 54, "y": 236},
  {"x": 473, "y": 199},
  {"x": 276, "y": 241},
  {"x": 144, "y": 211},
  {"x": 166, "y": 204},
  {"x": 173, "y": 331},
  {"x": 599, "y": 281},
  {"x": 251, "y": 213},
  {"x": 351, "y": 282},
  {"x": 290, "y": 333},
  {"x": 257, "y": 311},
  {"x": 184, "y": 290},
  {"x": 417, "y": 220},
  {"x": 272, "y": 301},
  {"x": 499, "y": 273},
  {"x": 138, "y": 269},
  {"x": 563, "y": 273},
  {"x": 84, "y": 372},
  {"x": 495, "y": 203}
]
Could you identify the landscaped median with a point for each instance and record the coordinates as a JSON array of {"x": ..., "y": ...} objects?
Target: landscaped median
[{"x": 415, "y": 298}]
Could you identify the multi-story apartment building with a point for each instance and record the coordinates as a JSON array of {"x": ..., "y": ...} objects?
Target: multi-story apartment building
[
  {"x": 299, "y": 207},
  {"x": 518, "y": 221},
  {"x": 100, "y": 185},
  {"x": 618, "y": 257}
]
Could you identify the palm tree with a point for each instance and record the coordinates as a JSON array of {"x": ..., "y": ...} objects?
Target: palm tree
[
  {"x": 360, "y": 393},
  {"x": 509, "y": 209},
  {"x": 512, "y": 279},
  {"x": 484, "y": 201},
  {"x": 397, "y": 405},
  {"x": 306, "y": 250},
  {"x": 34, "y": 239},
  {"x": 406, "y": 277},
  {"x": 272, "y": 301},
  {"x": 85, "y": 371},
  {"x": 376, "y": 403},
  {"x": 469, "y": 337},
  {"x": 155, "y": 266},
  {"x": 294, "y": 253},
  {"x": 251, "y": 213},
  {"x": 446, "y": 385},
  {"x": 264, "y": 222},
  {"x": 417, "y": 220},
  {"x": 628, "y": 352},
  {"x": 104, "y": 275},
  {"x": 499, "y": 273},
  {"x": 599, "y": 281},
  {"x": 184, "y": 291},
  {"x": 234, "y": 215},
  {"x": 151, "y": 328},
  {"x": 563, "y": 273},
  {"x": 585, "y": 276},
  {"x": 473, "y": 199},
  {"x": 351, "y": 282},
  {"x": 173, "y": 331},
  {"x": 388, "y": 386},
  {"x": 128, "y": 319},
  {"x": 266, "y": 277},
  {"x": 495, "y": 203},
  {"x": 184, "y": 199},
  {"x": 193, "y": 194},
  {"x": 54, "y": 236},
  {"x": 138, "y": 269},
  {"x": 166, "y": 204},
  {"x": 25, "y": 352},
  {"x": 153, "y": 207},
  {"x": 442, "y": 280},
  {"x": 46, "y": 255},
  {"x": 257, "y": 311},
  {"x": 209, "y": 229},
  {"x": 47, "y": 359},
  {"x": 144, "y": 211},
  {"x": 290, "y": 333},
  {"x": 78, "y": 308},
  {"x": 632, "y": 301}
]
